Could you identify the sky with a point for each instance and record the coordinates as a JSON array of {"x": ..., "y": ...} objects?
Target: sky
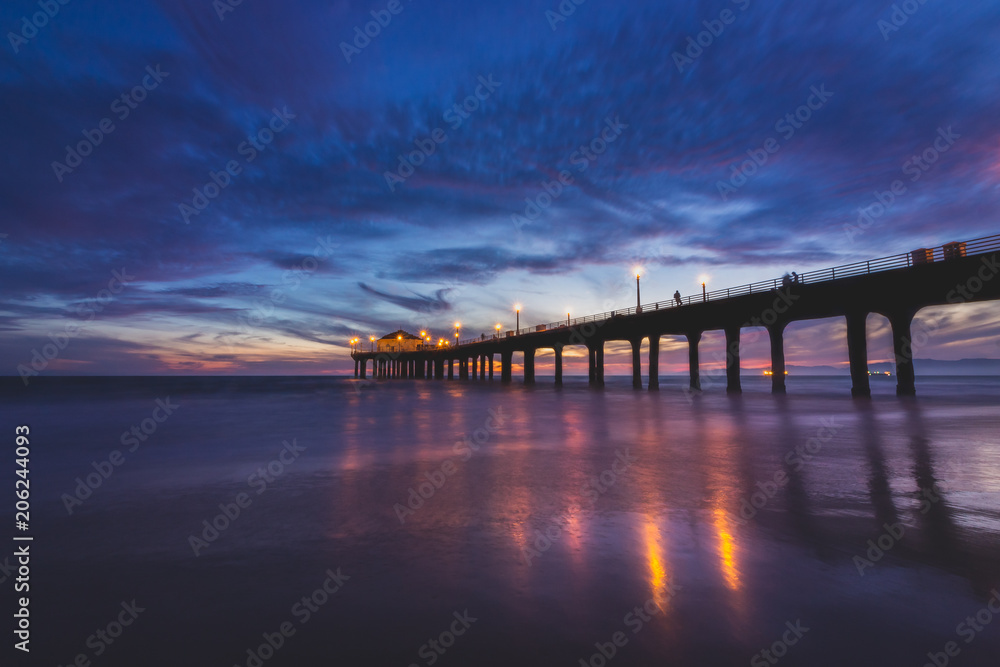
[{"x": 202, "y": 187}]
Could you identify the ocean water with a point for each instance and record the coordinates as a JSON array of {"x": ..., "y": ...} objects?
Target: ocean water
[{"x": 467, "y": 523}]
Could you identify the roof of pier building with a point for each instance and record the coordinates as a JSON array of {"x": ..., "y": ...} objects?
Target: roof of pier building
[{"x": 395, "y": 335}]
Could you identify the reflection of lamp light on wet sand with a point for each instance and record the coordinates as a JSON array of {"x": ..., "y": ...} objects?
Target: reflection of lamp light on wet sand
[
  {"x": 657, "y": 569},
  {"x": 727, "y": 549}
]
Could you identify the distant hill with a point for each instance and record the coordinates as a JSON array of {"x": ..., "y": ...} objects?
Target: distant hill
[{"x": 923, "y": 367}]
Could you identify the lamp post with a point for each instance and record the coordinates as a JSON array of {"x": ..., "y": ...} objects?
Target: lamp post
[
  {"x": 704, "y": 295},
  {"x": 567, "y": 319},
  {"x": 517, "y": 326},
  {"x": 498, "y": 330},
  {"x": 371, "y": 339}
]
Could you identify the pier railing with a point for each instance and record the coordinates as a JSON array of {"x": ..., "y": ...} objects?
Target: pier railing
[{"x": 901, "y": 261}]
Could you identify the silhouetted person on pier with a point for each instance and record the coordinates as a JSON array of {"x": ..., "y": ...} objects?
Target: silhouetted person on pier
[
  {"x": 795, "y": 278},
  {"x": 786, "y": 280},
  {"x": 677, "y": 297}
]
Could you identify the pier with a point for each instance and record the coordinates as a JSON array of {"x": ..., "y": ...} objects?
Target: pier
[{"x": 896, "y": 287}]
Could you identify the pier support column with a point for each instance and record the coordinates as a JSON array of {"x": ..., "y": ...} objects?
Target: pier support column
[
  {"x": 364, "y": 369},
  {"x": 857, "y": 351},
  {"x": 529, "y": 366},
  {"x": 451, "y": 369},
  {"x": 491, "y": 365},
  {"x": 475, "y": 367},
  {"x": 902, "y": 345},
  {"x": 357, "y": 370},
  {"x": 463, "y": 368},
  {"x": 506, "y": 361},
  {"x": 422, "y": 368},
  {"x": 559, "y": 363},
  {"x": 654, "y": 362},
  {"x": 733, "y": 385},
  {"x": 482, "y": 367},
  {"x": 776, "y": 332},
  {"x": 592, "y": 365},
  {"x": 599, "y": 363},
  {"x": 636, "y": 363},
  {"x": 694, "y": 366},
  {"x": 438, "y": 369}
]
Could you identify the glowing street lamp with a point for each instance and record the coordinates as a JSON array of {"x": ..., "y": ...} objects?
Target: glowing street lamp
[
  {"x": 517, "y": 327},
  {"x": 371, "y": 339},
  {"x": 638, "y": 301},
  {"x": 498, "y": 329}
]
